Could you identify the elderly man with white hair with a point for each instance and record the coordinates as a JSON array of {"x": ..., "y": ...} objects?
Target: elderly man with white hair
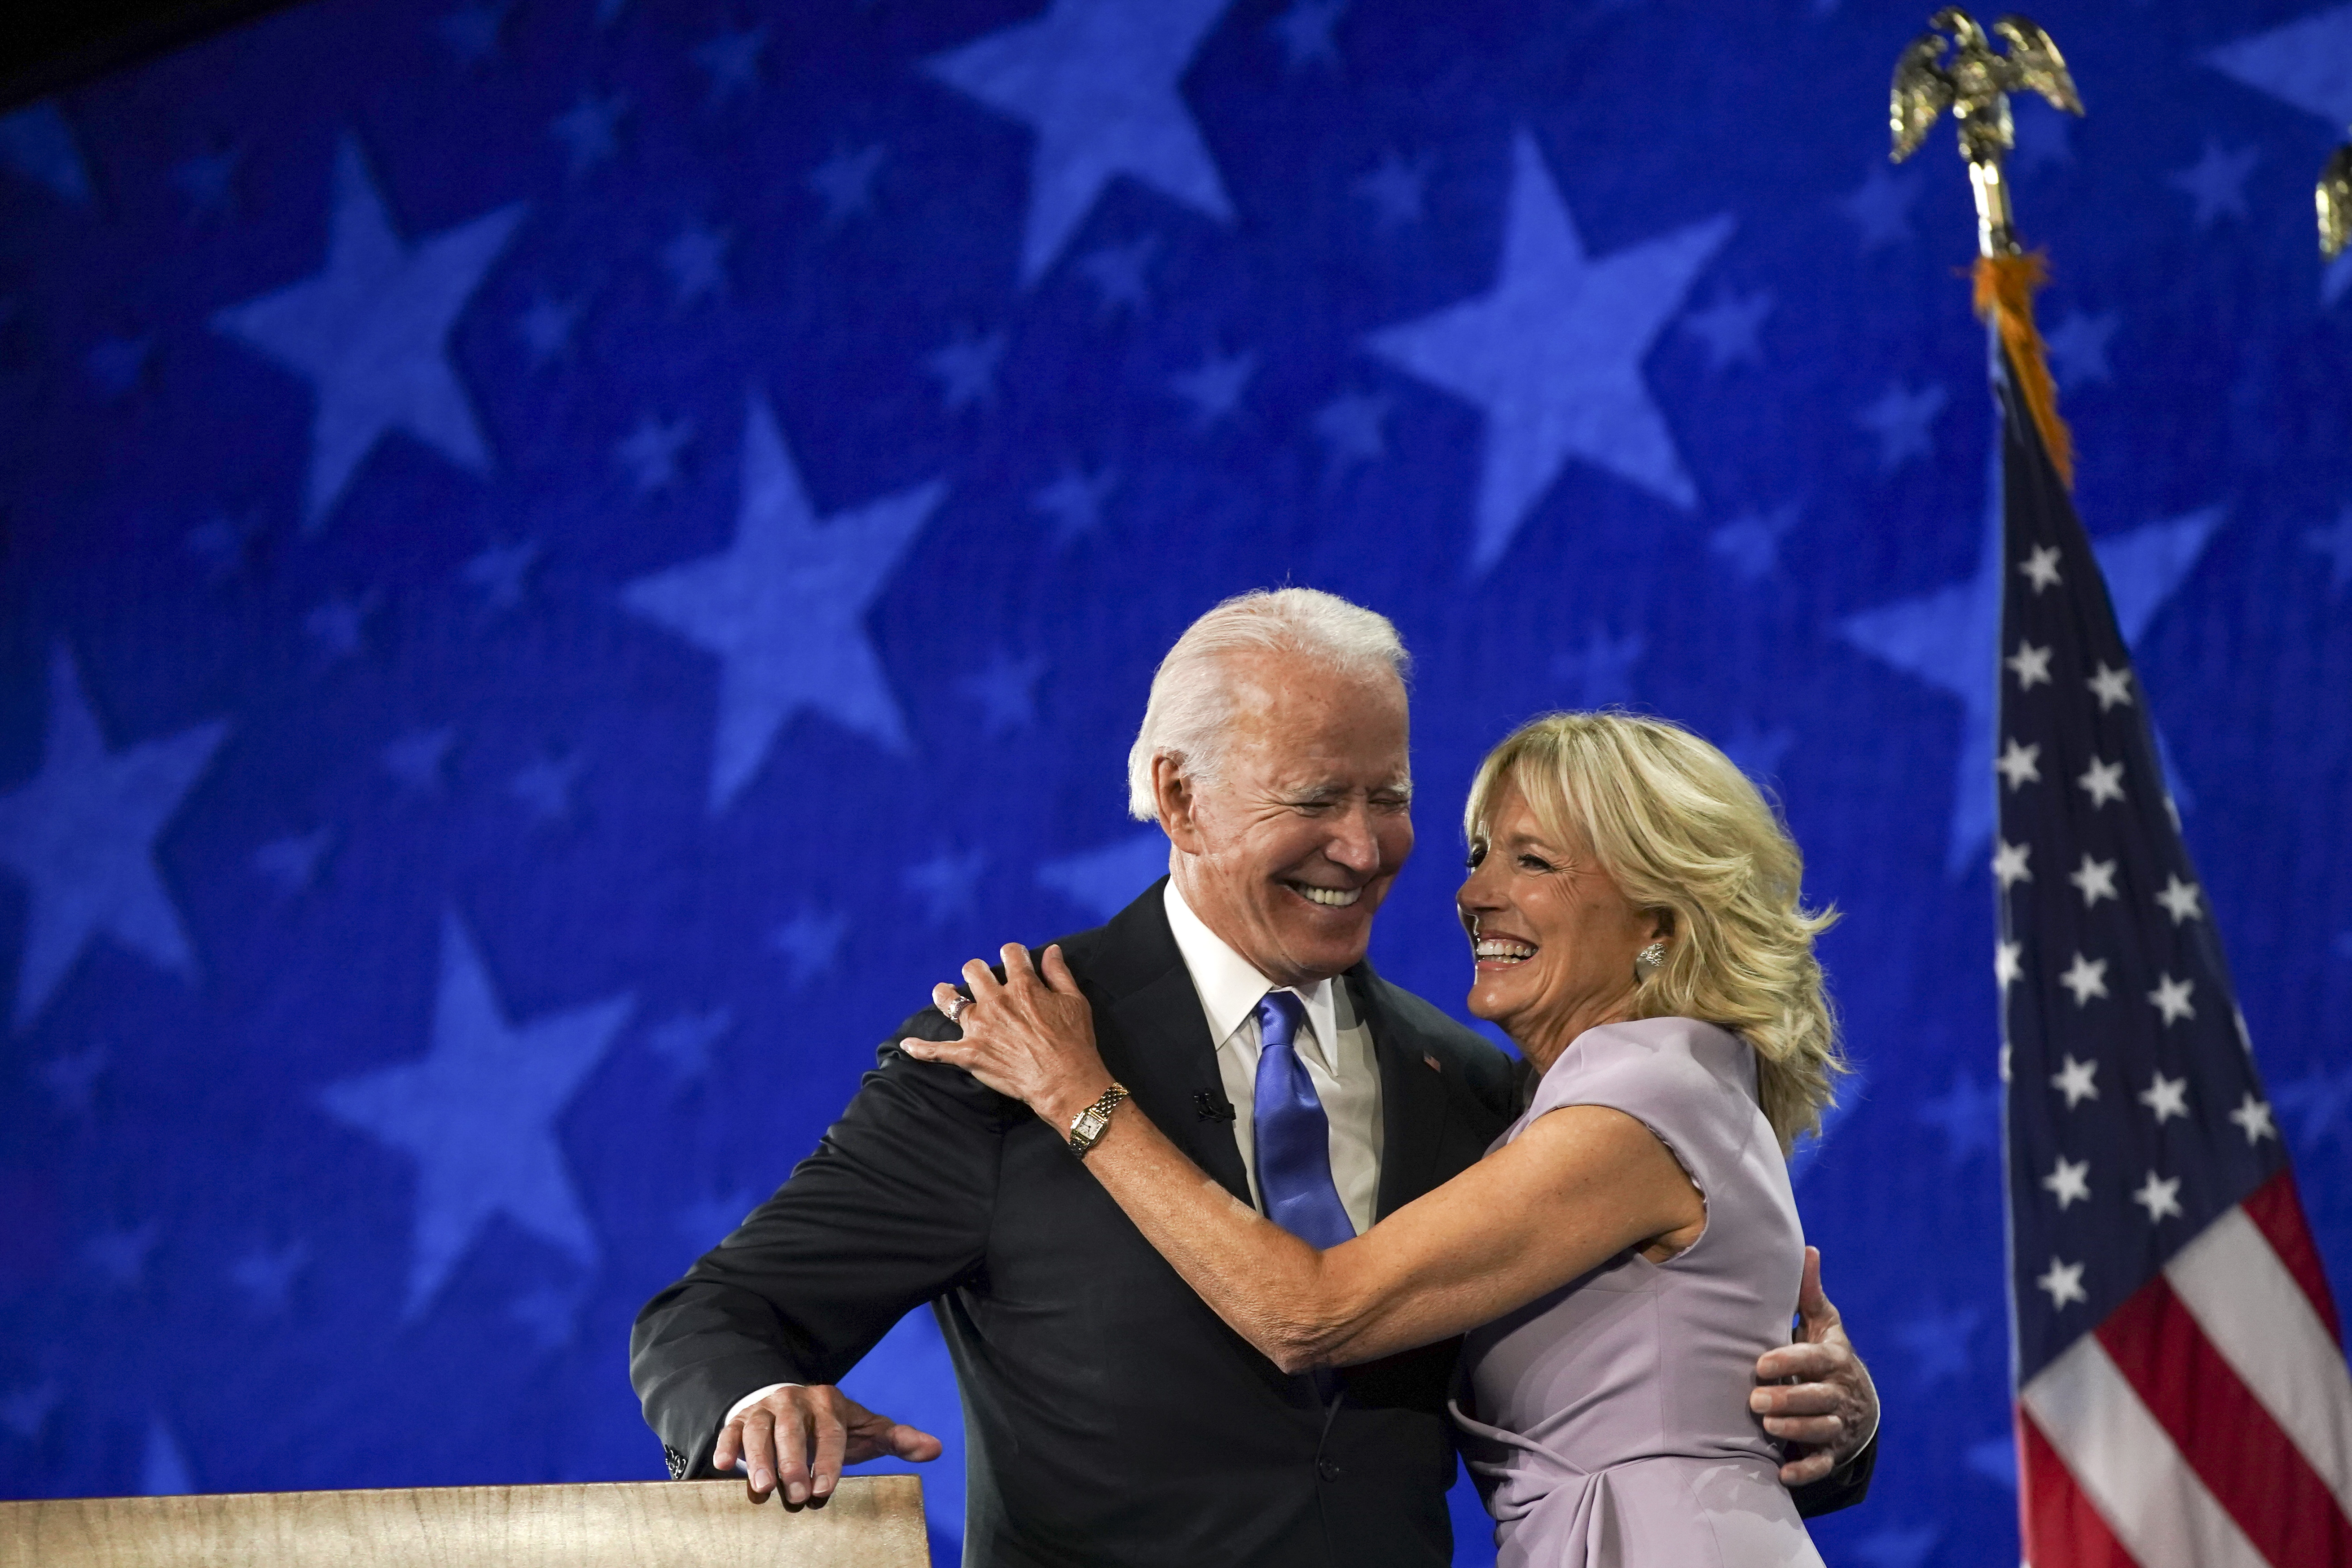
[{"x": 1111, "y": 1417}]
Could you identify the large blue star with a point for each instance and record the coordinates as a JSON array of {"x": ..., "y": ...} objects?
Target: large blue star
[
  {"x": 477, "y": 1113},
  {"x": 1553, "y": 354},
  {"x": 2300, "y": 63},
  {"x": 784, "y": 608},
  {"x": 81, "y": 833},
  {"x": 1106, "y": 881},
  {"x": 372, "y": 332},
  {"x": 1946, "y": 638},
  {"x": 1097, "y": 81}
]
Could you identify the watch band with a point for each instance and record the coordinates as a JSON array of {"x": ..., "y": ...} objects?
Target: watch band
[{"x": 1088, "y": 1126}]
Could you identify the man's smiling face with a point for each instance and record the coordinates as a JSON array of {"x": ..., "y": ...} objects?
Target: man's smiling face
[{"x": 1288, "y": 852}]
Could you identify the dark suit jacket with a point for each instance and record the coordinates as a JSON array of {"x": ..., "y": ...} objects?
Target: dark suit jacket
[{"x": 1109, "y": 1417}]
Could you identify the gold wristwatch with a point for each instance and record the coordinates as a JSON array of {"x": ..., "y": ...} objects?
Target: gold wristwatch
[{"x": 1087, "y": 1126}]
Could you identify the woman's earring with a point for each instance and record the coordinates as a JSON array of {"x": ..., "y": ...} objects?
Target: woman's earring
[{"x": 1649, "y": 961}]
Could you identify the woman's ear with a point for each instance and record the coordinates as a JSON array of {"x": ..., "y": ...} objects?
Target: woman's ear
[{"x": 1662, "y": 924}]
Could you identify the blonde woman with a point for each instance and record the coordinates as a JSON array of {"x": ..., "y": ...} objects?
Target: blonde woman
[{"x": 1630, "y": 1245}]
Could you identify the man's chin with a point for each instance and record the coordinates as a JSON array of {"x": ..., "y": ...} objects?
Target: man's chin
[{"x": 1327, "y": 952}]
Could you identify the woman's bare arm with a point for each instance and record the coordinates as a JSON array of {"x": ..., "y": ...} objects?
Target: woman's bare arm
[{"x": 1579, "y": 1188}]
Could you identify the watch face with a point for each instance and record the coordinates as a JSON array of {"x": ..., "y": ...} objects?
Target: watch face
[{"x": 1090, "y": 1125}]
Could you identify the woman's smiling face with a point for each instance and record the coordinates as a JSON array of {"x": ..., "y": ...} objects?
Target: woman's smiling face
[{"x": 1552, "y": 936}]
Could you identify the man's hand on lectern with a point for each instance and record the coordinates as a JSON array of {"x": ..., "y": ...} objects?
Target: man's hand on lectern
[{"x": 799, "y": 1437}]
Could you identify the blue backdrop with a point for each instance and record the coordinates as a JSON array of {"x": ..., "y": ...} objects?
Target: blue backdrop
[{"x": 564, "y": 559}]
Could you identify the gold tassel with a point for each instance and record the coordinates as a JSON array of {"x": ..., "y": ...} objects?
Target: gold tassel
[{"x": 2005, "y": 286}]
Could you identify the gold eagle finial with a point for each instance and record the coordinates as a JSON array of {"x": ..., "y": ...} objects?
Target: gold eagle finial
[{"x": 1955, "y": 65}]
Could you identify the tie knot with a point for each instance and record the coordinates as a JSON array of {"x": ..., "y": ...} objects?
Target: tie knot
[{"x": 1279, "y": 1014}]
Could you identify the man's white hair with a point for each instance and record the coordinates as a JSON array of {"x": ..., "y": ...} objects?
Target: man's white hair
[{"x": 1192, "y": 701}]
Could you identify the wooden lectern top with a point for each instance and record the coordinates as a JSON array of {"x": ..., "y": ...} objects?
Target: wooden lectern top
[{"x": 870, "y": 1521}]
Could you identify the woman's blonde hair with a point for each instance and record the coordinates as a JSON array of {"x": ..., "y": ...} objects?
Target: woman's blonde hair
[{"x": 1679, "y": 828}]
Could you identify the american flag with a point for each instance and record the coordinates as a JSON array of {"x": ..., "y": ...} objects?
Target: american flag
[{"x": 2181, "y": 1393}]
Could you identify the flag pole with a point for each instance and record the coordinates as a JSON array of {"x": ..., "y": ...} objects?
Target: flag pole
[{"x": 1955, "y": 65}]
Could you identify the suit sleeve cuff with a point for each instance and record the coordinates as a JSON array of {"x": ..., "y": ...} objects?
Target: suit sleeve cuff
[{"x": 750, "y": 1399}]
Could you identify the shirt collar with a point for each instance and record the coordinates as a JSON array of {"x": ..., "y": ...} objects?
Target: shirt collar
[{"x": 1229, "y": 986}]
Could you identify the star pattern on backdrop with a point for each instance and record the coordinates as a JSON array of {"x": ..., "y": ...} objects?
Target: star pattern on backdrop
[
  {"x": 843, "y": 183},
  {"x": 1749, "y": 544},
  {"x": 1214, "y": 386},
  {"x": 1003, "y": 693},
  {"x": 1097, "y": 82},
  {"x": 1101, "y": 881},
  {"x": 589, "y": 131},
  {"x": 1118, "y": 275},
  {"x": 2299, "y": 63},
  {"x": 1880, "y": 208},
  {"x": 1937, "y": 637},
  {"x": 784, "y": 608},
  {"x": 476, "y": 1116},
  {"x": 2078, "y": 347},
  {"x": 2333, "y": 541},
  {"x": 965, "y": 367},
  {"x": 1904, "y": 421},
  {"x": 1967, "y": 1114},
  {"x": 1552, "y": 354},
  {"x": 810, "y": 943},
  {"x": 2216, "y": 182},
  {"x": 1730, "y": 326},
  {"x": 80, "y": 835},
  {"x": 371, "y": 331}
]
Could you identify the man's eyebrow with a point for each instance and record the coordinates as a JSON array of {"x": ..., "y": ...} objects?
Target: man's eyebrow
[{"x": 1341, "y": 791}]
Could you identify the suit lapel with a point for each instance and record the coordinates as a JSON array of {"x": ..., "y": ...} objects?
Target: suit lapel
[
  {"x": 1170, "y": 1062},
  {"x": 1159, "y": 1046},
  {"x": 1412, "y": 1098}
]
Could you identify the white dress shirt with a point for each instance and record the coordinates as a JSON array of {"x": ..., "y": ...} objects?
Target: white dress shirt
[{"x": 1336, "y": 1047}]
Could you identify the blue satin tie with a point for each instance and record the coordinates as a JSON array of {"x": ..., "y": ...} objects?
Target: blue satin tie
[{"x": 1293, "y": 1135}]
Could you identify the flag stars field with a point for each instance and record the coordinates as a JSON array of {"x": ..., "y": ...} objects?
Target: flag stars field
[
  {"x": 2254, "y": 1119},
  {"x": 2009, "y": 864},
  {"x": 2076, "y": 1080},
  {"x": 2160, "y": 1196},
  {"x": 2069, "y": 1182},
  {"x": 2020, "y": 765},
  {"x": 2103, "y": 781},
  {"x": 2086, "y": 978},
  {"x": 2095, "y": 879},
  {"x": 2167, "y": 1097},
  {"x": 2031, "y": 664},
  {"x": 2170, "y": 998},
  {"x": 2111, "y": 687},
  {"x": 2179, "y": 900},
  {"x": 2041, "y": 568},
  {"x": 2063, "y": 1281}
]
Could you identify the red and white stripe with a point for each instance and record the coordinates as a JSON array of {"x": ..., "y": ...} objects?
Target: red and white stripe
[{"x": 2207, "y": 1422}]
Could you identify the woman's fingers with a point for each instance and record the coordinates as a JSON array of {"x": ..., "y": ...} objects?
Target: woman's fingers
[
  {"x": 943, "y": 997},
  {"x": 1020, "y": 974},
  {"x": 1057, "y": 970},
  {"x": 977, "y": 980},
  {"x": 952, "y": 1053}
]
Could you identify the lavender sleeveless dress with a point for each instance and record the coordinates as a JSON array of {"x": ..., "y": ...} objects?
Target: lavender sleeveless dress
[{"x": 1607, "y": 1424}]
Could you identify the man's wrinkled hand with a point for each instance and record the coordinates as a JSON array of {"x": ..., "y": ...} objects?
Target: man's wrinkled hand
[
  {"x": 799, "y": 1437},
  {"x": 1815, "y": 1394}
]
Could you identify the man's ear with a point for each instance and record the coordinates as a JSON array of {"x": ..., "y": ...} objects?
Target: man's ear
[{"x": 1172, "y": 793}]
